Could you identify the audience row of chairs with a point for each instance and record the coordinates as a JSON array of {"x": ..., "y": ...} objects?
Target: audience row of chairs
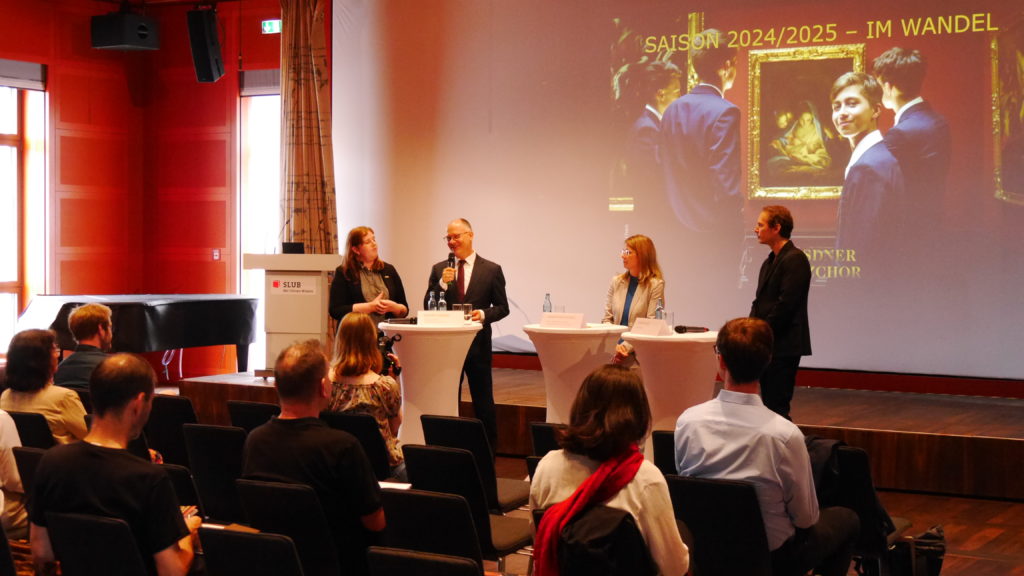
[{"x": 457, "y": 497}]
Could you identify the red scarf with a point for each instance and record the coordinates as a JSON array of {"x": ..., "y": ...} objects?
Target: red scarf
[{"x": 602, "y": 485}]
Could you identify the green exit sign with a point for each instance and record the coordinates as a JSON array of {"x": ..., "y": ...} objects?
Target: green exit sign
[{"x": 271, "y": 26}]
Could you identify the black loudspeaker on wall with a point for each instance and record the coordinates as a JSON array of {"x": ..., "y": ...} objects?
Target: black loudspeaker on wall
[{"x": 202, "y": 35}]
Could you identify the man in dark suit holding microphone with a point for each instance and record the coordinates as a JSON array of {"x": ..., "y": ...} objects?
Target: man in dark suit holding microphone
[
  {"x": 781, "y": 301},
  {"x": 467, "y": 278}
]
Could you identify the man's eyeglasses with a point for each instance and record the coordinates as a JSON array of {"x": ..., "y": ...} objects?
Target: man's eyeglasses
[{"x": 451, "y": 237}]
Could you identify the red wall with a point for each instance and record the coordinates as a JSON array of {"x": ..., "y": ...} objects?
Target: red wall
[{"x": 143, "y": 158}]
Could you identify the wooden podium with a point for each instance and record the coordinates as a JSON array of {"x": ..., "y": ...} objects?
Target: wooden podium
[{"x": 296, "y": 291}]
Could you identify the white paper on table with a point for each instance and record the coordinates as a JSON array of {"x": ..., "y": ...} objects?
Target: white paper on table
[
  {"x": 562, "y": 320},
  {"x": 440, "y": 318},
  {"x": 650, "y": 327}
]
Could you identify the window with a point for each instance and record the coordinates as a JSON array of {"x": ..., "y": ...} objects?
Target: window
[
  {"x": 22, "y": 203},
  {"x": 260, "y": 205}
]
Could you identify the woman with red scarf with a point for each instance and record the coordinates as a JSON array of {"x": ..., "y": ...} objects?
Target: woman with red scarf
[{"x": 599, "y": 464}]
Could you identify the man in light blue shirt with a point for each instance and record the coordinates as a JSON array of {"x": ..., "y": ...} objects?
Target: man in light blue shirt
[{"x": 736, "y": 437}]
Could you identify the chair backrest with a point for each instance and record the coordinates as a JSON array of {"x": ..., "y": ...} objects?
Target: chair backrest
[
  {"x": 857, "y": 492},
  {"x": 7, "y": 567},
  {"x": 139, "y": 446},
  {"x": 215, "y": 458},
  {"x": 163, "y": 430},
  {"x": 230, "y": 552},
  {"x": 293, "y": 510},
  {"x": 86, "y": 545},
  {"x": 430, "y": 522},
  {"x": 724, "y": 518},
  {"x": 86, "y": 397},
  {"x": 184, "y": 486},
  {"x": 33, "y": 430},
  {"x": 364, "y": 427},
  {"x": 531, "y": 465},
  {"x": 453, "y": 471},
  {"x": 392, "y": 561},
  {"x": 27, "y": 460},
  {"x": 544, "y": 437},
  {"x": 664, "y": 444},
  {"x": 250, "y": 415},
  {"x": 468, "y": 434}
]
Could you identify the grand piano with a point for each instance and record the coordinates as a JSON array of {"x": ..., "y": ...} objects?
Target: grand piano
[{"x": 155, "y": 322}]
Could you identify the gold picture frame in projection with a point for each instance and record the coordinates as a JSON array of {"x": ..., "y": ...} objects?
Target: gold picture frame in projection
[
  {"x": 794, "y": 149},
  {"x": 1008, "y": 111}
]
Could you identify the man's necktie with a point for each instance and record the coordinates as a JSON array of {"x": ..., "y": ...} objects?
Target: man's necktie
[{"x": 462, "y": 282}]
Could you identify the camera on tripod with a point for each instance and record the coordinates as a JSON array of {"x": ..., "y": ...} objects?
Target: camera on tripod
[{"x": 387, "y": 346}]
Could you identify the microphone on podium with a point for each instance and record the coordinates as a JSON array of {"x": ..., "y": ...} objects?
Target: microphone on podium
[{"x": 689, "y": 329}]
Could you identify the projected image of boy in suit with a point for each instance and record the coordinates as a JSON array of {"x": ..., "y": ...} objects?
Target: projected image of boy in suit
[{"x": 871, "y": 208}]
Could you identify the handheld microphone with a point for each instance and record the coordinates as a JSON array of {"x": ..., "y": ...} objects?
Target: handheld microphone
[
  {"x": 689, "y": 329},
  {"x": 451, "y": 259}
]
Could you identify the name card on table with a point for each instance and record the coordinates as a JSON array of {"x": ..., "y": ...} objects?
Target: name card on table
[
  {"x": 440, "y": 318},
  {"x": 650, "y": 327},
  {"x": 562, "y": 320}
]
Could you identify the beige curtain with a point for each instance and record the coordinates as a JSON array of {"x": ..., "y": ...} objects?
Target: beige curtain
[{"x": 307, "y": 169}]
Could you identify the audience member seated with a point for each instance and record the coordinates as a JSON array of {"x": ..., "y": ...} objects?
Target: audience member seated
[
  {"x": 300, "y": 448},
  {"x": 99, "y": 476},
  {"x": 13, "y": 515},
  {"x": 31, "y": 361},
  {"x": 599, "y": 463},
  {"x": 90, "y": 325},
  {"x": 735, "y": 437},
  {"x": 359, "y": 386}
]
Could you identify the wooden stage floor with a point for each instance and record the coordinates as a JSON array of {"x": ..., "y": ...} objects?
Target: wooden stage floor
[{"x": 963, "y": 445}]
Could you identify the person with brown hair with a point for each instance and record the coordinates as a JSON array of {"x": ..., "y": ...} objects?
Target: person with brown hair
[
  {"x": 600, "y": 463},
  {"x": 365, "y": 283},
  {"x": 736, "y": 437},
  {"x": 99, "y": 476},
  {"x": 300, "y": 448},
  {"x": 31, "y": 362},
  {"x": 91, "y": 326},
  {"x": 635, "y": 292},
  {"x": 360, "y": 386}
]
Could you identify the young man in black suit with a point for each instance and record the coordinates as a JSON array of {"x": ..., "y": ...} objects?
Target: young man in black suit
[
  {"x": 781, "y": 301},
  {"x": 481, "y": 283}
]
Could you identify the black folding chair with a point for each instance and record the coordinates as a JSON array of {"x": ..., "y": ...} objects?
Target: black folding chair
[
  {"x": 294, "y": 511},
  {"x": 230, "y": 552},
  {"x": 33, "y": 430},
  {"x": 163, "y": 430},
  {"x": 503, "y": 494},
  {"x": 454, "y": 471},
  {"x": 184, "y": 486},
  {"x": 250, "y": 415},
  {"x": 364, "y": 427},
  {"x": 433, "y": 522},
  {"x": 724, "y": 518},
  {"x": 544, "y": 436},
  {"x": 664, "y": 444},
  {"x": 27, "y": 460},
  {"x": 395, "y": 561},
  {"x": 86, "y": 545},
  {"x": 215, "y": 458}
]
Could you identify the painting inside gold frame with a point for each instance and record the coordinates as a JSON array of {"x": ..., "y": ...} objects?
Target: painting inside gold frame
[
  {"x": 1008, "y": 112},
  {"x": 795, "y": 151}
]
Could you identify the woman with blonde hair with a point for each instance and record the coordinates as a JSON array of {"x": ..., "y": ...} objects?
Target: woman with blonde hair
[
  {"x": 360, "y": 387},
  {"x": 365, "y": 283},
  {"x": 635, "y": 292}
]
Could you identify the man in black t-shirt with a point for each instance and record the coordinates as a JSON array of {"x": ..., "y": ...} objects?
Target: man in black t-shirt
[
  {"x": 300, "y": 448},
  {"x": 99, "y": 476}
]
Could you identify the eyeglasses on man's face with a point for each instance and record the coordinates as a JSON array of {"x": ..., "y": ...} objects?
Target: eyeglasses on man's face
[{"x": 453, "y": 237}]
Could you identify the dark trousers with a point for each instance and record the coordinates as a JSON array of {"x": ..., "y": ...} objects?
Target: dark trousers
[
  {"x": 826, "y": 547},
  {"x": 777, "y": 384},
  {"x": 477, "y": 369}
]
